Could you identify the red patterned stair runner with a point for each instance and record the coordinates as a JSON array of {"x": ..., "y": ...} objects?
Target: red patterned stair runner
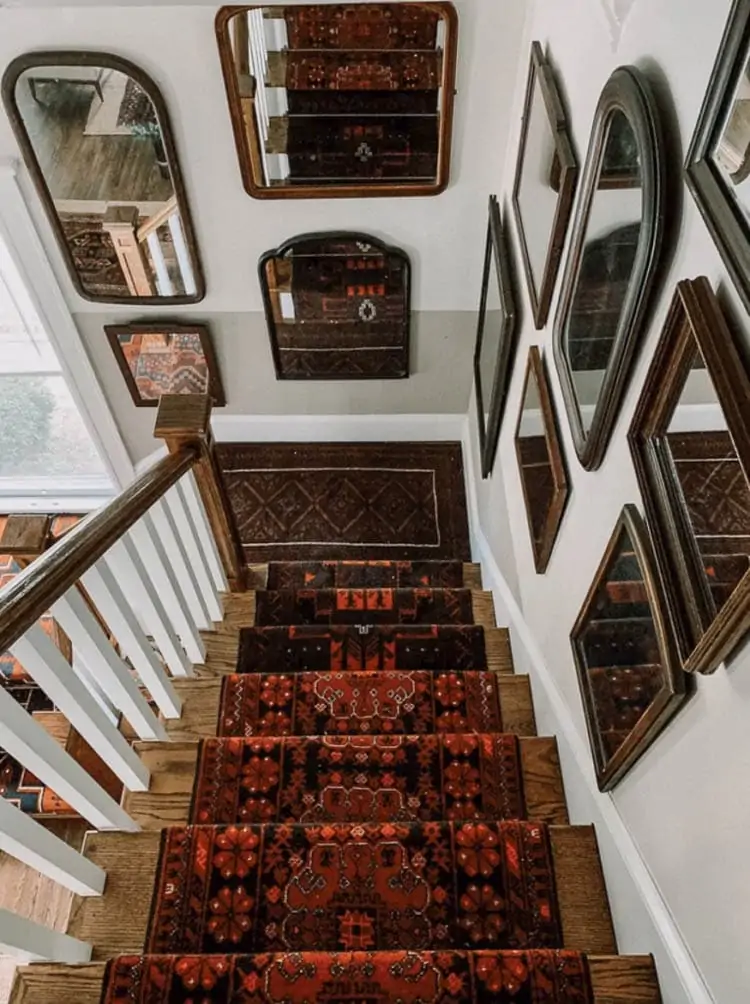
[
  {"x": 365, "y": 575},
  {"x": 363, "y": 606}
]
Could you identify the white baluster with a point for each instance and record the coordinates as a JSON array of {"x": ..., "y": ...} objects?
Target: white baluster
[
  {"x": 203, "y": 529},
  {"x": 174, "y": 547},
  {"x": 110, "y": 601},
  {"x": 46, "y": 664},
  {"x": 163, "y": 282},
  {"x": 152, "y": 553},
  {"x": 26, "y": 741},
  {"x": 128, "y": 569},
  {"x": 31, "y": 942},
  {"x": 183, "y": 255},
  {"x": 26, "y": 840},
  {"x": 90, "y": 681},
  {"x": 188, "y": 534},
  {"x": 111, "y": 673}
]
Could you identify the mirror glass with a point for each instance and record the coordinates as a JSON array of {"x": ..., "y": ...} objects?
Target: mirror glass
[
  {"x": 337, "y": 307},
  {"x": 100, "y": 151},
  {"x": 607, "y": 261},
  {"x": 326, "y": 96},
  {"x": 731, "y": 149},
  {"x": 491, "y": 337},
  {"x": 536, "y": 195},
  {"x": 713, "y": 486}
]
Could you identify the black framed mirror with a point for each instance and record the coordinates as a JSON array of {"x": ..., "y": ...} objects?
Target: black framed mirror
[
  {"x": 544, "y": 185},
  {"x": 718, "y": 161},
  {"x": 496, "y": 338},
  {"x": 96, "y": 139},
  {"x": 612, "y": 266}
]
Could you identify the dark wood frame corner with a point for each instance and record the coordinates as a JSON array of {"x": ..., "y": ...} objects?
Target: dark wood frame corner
[
  {"x": 629, "y": 92},
  {"x": 674, "y": 691},
  {"x": 332, "y": 235},
  {"x": 723, "y": 217},
  {"x": 695, "y": 317},
  {"x": 160, "y": 326},
  {"x": 566, "y": 175},
  {"x": 248, "y": 152},
  {"x": 117, "y": 63},
  {"x": 495, "y": 249},
  {"x": 536, "y": 370}
]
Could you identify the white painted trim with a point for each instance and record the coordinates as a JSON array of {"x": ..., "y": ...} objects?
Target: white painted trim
[
  {"x": 674, "y": 945},
  {"x": 23, "y": 241},
  {"x": 337, "y": 428},
  {"x": 25, "y": 939}
]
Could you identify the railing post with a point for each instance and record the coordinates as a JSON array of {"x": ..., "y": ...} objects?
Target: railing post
[{"x": 184, "y": 420}]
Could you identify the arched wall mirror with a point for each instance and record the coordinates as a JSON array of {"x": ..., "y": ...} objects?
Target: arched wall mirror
[
  {"x": 95, "y": 136},
  {"x": 340, "y": 100},
  {"x": 612, "y": 264}
]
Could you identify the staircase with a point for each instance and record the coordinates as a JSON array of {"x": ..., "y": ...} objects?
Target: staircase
[{"x": 353, "y": 806}]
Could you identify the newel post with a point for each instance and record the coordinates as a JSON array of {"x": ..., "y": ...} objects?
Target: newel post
[{"x": 184, "y": 420}]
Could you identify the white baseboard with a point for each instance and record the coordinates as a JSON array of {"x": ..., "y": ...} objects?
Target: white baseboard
[
  {"x": 578, "y": 773},
  {"x": 337, "y": 428}
]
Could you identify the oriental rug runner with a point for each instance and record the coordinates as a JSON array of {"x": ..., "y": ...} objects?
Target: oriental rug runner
[
  {"x": 374, "y": 779},
  {"x": 447, "y": 977},
  {"x": 315, "y": 704},
  {"x": 365, "y": 575},
  {"x": 354, "y": 886},
  {"x": 399, "y": 501},
  {"x": 363, "y": 606},
  {"x": 337, "y": 648}
]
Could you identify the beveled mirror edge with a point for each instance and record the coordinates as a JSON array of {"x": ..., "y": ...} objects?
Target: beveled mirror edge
[
  {"x": 536, "y": 370},
  {"x": 356, "y": 235},
  {"x": 627, "y": 90},
  {"x": 249, "y": 159},
  {"x": 695, "y": 311},
  {"x": 726, "y": 226},
  {"x": 165, "y": 326},
  {"x": 71, "y": 57},
  {"x": 496, "y": 247},
  {"x": 541, "y": 71},
  {"x": 674, "y": 691}
]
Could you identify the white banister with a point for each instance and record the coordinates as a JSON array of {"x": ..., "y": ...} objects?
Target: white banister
[
  {"x": 109, "y": 599},
  {"x": 25, "y": 839},
  {"x": 160, "y": 571},
  {"x": 46, "y": 664},
  {"x": 26, "y": 741},
  {"x": 109, "y": 670},
  {"x": 203, "y": 529},
  {"x": 129, "y": 570},
  {"x": 174, "y": 547},
  {"x": 31, "y": 942},
  {"x": 183, "y": 255},
  {"x": 163, "y": 281},
  {"x": 188, "y": 534}
]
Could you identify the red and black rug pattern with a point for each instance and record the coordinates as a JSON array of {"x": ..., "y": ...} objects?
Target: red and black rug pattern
[
  {"x": 354, "y": 886},
  {"x": 319, "y": 704},
  {"x": 472, "y": 977},
  {"x": 371, "y": 648},
  {"x": 372, "y": 779},
  {"x": 363, "y": 606},
  {"x": 365, "y": 575}
]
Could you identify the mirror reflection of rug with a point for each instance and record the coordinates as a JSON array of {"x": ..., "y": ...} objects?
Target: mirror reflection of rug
[
  {"x": 448, "y": 977},
  {"x": 93, "y": 253}
]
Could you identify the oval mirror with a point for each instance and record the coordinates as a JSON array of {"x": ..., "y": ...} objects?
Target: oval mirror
[
  {"x": 95, "y": 136},
  {"x": 611, "y": 266}
]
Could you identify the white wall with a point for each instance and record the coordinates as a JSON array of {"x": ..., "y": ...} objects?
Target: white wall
[{"x": 682, "y": 816}]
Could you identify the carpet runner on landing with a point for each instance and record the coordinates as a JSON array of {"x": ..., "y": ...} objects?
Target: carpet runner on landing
[
  {"x": 363, "y": 606},
  {"x": 314, "y": 704},
  {"x": 365, "y": 575}
]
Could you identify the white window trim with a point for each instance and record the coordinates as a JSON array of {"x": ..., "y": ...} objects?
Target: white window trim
[{"x": 26, "y": 248}]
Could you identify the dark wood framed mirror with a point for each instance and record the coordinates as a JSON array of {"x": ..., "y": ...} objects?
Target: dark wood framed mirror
[
  {"x": 541, "y": 465},
  {"x": 341, "y": 100},
  {"x": 166, "y": 358},
  {"x": 544, "y": 185},
  {"x": 496, "y": 338},
  {"x": 338, "y": 307},
  {"x": 690, "y": 441},
  {"x": 718, "y": 162},
  {"x": 628, "y": 671},
  {"x": 612, "y": 265},
  {"x": 95, "y": 136}
]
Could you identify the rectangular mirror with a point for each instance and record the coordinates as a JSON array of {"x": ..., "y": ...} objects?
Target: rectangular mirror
[
  {"x": 338, "y": 99},
  {"x": 690, "y": 441},
  {"x": 540, "y": 461},
  {"x": 95, "y": 136},
  {"x": 630, "y": 679}
]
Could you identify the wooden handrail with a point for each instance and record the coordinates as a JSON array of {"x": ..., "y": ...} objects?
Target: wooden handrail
[
  {"x": 33, "y": 591},
  {"x": 157, "y": 220}
]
